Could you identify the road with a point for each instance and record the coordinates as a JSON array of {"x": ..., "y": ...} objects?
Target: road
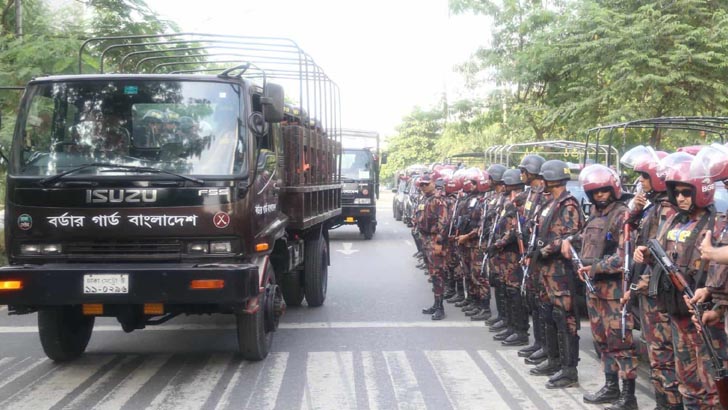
[{"x": 368, "y": 347}]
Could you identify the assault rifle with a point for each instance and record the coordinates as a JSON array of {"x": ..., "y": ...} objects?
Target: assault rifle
[
  {"x": 452, "y": 218},
  {"x": 627, "y": 274},
  {"x": 486, "y": 257},
  {"x": 529, "y": 251},
  {"x": 677, "y": 280},
  {"x": 482, "y": 222},
  {"x": 577, "y": 261}
]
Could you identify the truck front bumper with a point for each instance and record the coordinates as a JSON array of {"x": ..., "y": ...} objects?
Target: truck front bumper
[
  {"x": 350, "y": 214},
  {"x": 63, "y": 284}
]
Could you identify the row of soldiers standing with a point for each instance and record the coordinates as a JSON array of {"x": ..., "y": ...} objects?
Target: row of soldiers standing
[{"x": 515, "y": 234}]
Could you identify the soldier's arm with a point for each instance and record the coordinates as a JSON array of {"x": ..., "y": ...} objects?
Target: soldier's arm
[
  {"x": 568, "y": 223},
  {"x": 440, "y": 209},
  {"x": 509, "y": 230},
  {"x": 614, "y": 262}
]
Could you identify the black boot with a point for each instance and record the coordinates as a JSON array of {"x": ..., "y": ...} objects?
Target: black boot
[
  {"x": 569, "y": 351},
  {"x": 547, "y": 368},
  {"x": 519, "y": 319},
  {"x": 430, "y": 310},
  {"x": 550, "y": 349},
  {"x": 506, "y": 328},
  {"x": 484, "y": 311},
  {"x": 627, "y": 399},
  {"x": 496, "y": 289},
  {"x": 537, "y": 331},
  {"x": 440, "y": 310},
  {"x": 537, "y": 357},
  {"x": 459, "y": 292},
  {"x": 608, "y": 393},
  {"x": 465, "y": 302},
  {"x": 449, "y": 289}
]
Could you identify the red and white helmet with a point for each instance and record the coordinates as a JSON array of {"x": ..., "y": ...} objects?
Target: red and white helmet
[
  {"x": 645, "y": 160},
  {"x": 595, "y": 177},
  {"x": 484, "y": 182},
  {"x": 677, "y": 169},
  {"x": 711, "y": 162},
  {"x": 471, "y": 177}
]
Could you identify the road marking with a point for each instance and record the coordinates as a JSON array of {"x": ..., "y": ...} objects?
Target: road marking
[
  {"x": 101, "y": 383},
  {"x": 183, "y": 391},
  {"x": 406, "y": 389},
  {"x": 374, "y": 396},
  {"x": 18, "y": 373},
  {"x": 64, "y": 380},
  {"x": 226, "y": 397},
  {"x": 523, "y": 402},
  {"x": 329, "y": 381},
  {"x": 347, "y": 248},
  {"x": 268, "y": 385},
  {"x": 284, "y": 326},
  {"x": 3, "y": 307},
  {"x": 123, "y": 391},
  {"x": 466, "y": 387}
]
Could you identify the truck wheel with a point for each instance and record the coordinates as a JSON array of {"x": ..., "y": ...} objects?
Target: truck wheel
[
  {"x": 397, "y": 213},
  {"x": 316, "y": 271},
  {"x": 292, "y": 288},
  {"x": 368, "y": 230},
  {"x": 254, "y": 340},
  {"x": 64, "y": 332}
]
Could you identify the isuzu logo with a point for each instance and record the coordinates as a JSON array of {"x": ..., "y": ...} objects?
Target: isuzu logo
[{"x": 99, "y": 196}]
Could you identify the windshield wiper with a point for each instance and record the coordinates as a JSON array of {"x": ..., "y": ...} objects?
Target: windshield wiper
[{"x": 114, "y": 167}]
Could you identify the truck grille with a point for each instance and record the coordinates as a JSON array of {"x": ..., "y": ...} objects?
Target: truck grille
[{"x": 124, "y": 248}]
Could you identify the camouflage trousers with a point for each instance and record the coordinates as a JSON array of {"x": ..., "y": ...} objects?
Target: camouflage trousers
[
  {"x": 605, "y": 316},
  {"x": 436, "y": 265},
  {"x": 478, "y": 277},
  {"x": 692, "y": 362},
  {"x": 453, "y": 263},
  {"x": 512, "y": 272},
  {"x": 656, "y": 331},
  {"x": 558, "y": 295}
]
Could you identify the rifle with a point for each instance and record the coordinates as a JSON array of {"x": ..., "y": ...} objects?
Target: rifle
[
  {"x": 531, "y": 247},
  {"x": 677, "y": 280},
  {"x": 577, "y": 261},
  {"x": 490, "y": 242},
  {"x": 482, "y": 222},
  {"x": 627, "y": 274},
  {"x": 452, "y": 218}
]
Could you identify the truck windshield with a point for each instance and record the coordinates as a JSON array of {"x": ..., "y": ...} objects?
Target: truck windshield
[
  {"x": 356, "y": 164},
  {"x": 185, "y": 127}
]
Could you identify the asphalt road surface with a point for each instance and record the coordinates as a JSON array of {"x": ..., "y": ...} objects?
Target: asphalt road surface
[{"x": 368, "y": 347}]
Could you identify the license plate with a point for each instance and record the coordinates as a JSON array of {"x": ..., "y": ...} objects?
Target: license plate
[
  {"x": 107, "y": 283},
  {"x": 349, "y": 219}
]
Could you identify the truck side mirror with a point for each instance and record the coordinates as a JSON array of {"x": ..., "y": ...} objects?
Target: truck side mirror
[{"x": 272, "y": 101}]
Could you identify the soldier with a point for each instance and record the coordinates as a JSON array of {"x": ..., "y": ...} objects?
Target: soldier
[
  {"x": 468, "y": 221},
  {"x": 450, "y": 192},
  {"x": 530, "y": 167},
  {"x": 560, "y": 217},
  {"x": 651, "y": 209},
  {"x": 453, "y": 189},
  {"x": 508, "y": 247},
  {"x": 680, "y": 236},
  {"x": 601, "y": 242},
  {"x": 431, "y": 225},
  {"x": 496, "y": 323},
  {"x": 480, "y": 278}
]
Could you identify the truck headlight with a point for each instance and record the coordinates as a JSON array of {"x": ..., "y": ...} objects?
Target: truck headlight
[
  {"x": 363, "y": 201},
  {"x": 221, "y": 247},
  {"x": 40, "y": 249},
  {"x": 198, "y": 247}
]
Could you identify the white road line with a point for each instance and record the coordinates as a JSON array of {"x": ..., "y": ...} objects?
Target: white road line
[
  {"x": 508, "y": 382},
  {"x": 192, "y": 393},
  {"x": 330, "y": 381},
  {"x": 49, "y": 391},
  {"x": 116, "y": 398},
  {"x": 285, "y": 326},
  {"x": 100, "y": 383},
  {"x": 226, "y": 397},
  {"x": 3, "y": 307},
  {"x": 21, "y": 371},
  {"x": 406, "y": 389},
  {"x": 557, "y": 398},
  {"x": 370, "y": 380},
  {"x": 465, "y": 385},
  {"x": 265, "y": 392}
]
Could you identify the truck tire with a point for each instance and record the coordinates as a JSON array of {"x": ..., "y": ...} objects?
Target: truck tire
[
  {"x": 368, "y": 230},
  {"x": 64, "y": 332},
  {"x": 292, "y": 288},
  {"x": 316, "y": 271},
  {"x": 254, "y": 341}
]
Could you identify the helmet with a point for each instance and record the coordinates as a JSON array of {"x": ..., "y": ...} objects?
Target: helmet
[
  {"x": 484, "y": 182},
  {"x": 555, "y": 170},
  {"x": 677, "y": 169},
  {"x": 598, "y": 176},
  {"x": 711, "y": 162},
  {"x": 471, "y": 176},
  {"x": 496, "y": 172},
  {"x": 645, "y": 160},
  {"x": 153, "y": 116},
  {"x": 531, "y": 163},
  {"x": 171, "y": 117},
  {"x": 512, "y": 177},
  {"x": 452, "y": 184}
]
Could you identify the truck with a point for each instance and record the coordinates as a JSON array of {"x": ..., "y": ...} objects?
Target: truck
[
  {"x": 169, "y": 182},
  {"x": 360, "y": 162}
]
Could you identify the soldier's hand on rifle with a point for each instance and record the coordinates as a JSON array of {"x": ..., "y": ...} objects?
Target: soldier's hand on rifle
[
  {"x": 639, "y": 254},
  {"x": 462, "y": 239},
  {"x": 701, "y": 295},
  {"x": 437, "y": 248},
  {"x": 566, "y": 249},
  {"x": 710, "y": 317},
  {"x": 625, "y": 298},
  {"x": 584, "y": 272}
]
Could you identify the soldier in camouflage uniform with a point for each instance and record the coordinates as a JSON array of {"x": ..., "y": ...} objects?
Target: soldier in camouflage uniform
[
  {"x": 479, "y": 276},
  {"x": 680, "y": 236},
  {"x": 431, "y": 226},
  {"x": 650, "y": 210},
  {"x": 508, "y": 248},
  {"x": 495, "y": 203},
  {"x": 602, "y": 252},
  {"x": 468, "y": 222},
  {"x": 531, "y": 199},
  {"x": 454, "y": 282},
  {"x": 560, "y": 218}
]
